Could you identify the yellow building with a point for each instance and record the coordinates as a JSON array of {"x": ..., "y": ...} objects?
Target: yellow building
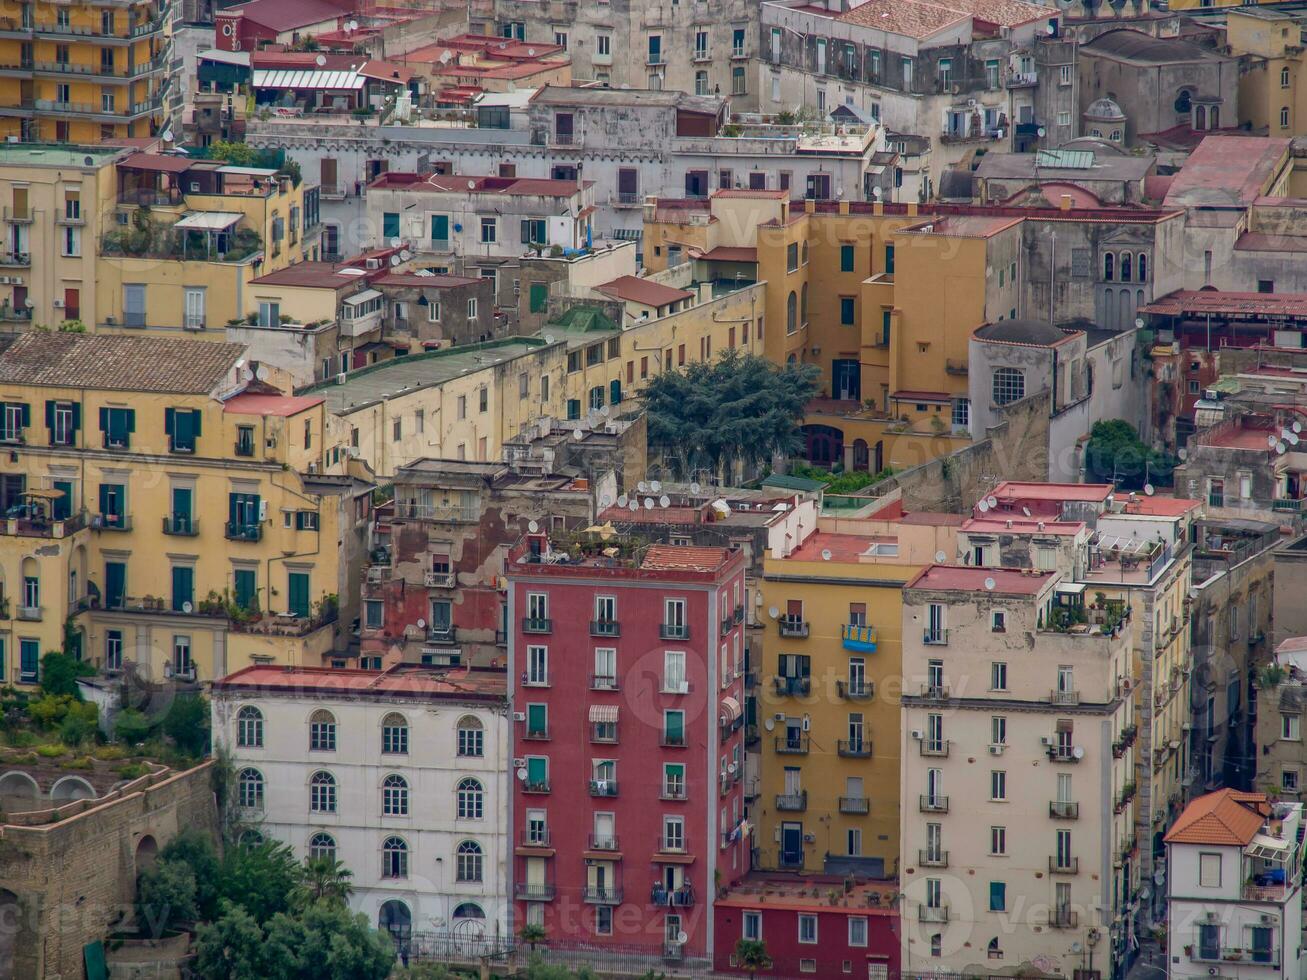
[
  {"x": 1272, "y": 71},
  {"x": 83, "y": 73},
  {"x": 185, "y": 238},
  {"x": 829, "y": 701},
  {"x": 154, "y": 499},
  {"x": 54, "y": 199}
]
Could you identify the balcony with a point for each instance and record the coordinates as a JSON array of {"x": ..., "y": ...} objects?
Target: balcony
[
  {"x": 674, "y": 951},
  {"x": 793, "y": 627},
  {"x": 854, "y": 748},
  {"x": 18, "y": 216},
  {"x": 934, "y": 692},
  {"x": 533, "y": 624},
  {"x": 1022, "y": 79},
  {"x": 793, "y": 686},
  {"x": 663, "y": 897},
  {"x": 673, "y": 740},
  {"x": 605, "y": 627},
  {"x": 603, "y": 787},
  {"x": 672, "y": 845},
  {"x": 1064, "y": 697},
  {"x": 672, "y": 793},
  {"x": 859, "y": 638},
  {"x": 605, "y": 842},
  {"x": 538, "y": 733},
  {"x": 855, "y": 690},
  {"x": 932, "y": 913},
  {"x": 933, "y": 803},
  {"x": 535, "y": 838},
  {"x": 937, "y": 748},
  {"x": 856, "y": 805},
  {"x": 40, "y": 526},
  {"x": 791, "y": 744},
  {"x": 935, "y": 637},
  {"x": 29, "y": 614},
  {"x": 602, "y": 895},
  {"x": 1061, "y": 810},
  {"x": 243, "y": 532},
  {"x": 1065, "y": 753},
  {"x": 603, "y": 682},
  {"x": 181, "y": 525},
  {"x": 932, "y": 858},
  {"x": 1062, "y": 919},
  {"x": 527, "y": 892},
  {"x": 626, "y": 199},
  {"x": 536, "y": 785},
  {"x": 792, "y": 802},
  {"x": 442, "y": 633},
  {"x": 16, "y": 260},
  {"x": 1061, "y": 864},
  {"x": 111, "y": 522},
  {"x": 74, "y": 220},
  {"x": 440, "y": 580},
  {"x": 673, "y": 631}
]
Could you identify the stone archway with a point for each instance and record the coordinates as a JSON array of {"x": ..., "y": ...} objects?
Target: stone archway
[
  {"x": 70, "y": 788},
  {"x": 11, "y": 914},
  {"x": 147, "y": 850},
  {"x": 18, "y": 792}
]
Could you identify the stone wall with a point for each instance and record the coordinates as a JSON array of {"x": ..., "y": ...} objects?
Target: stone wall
[{"x": 65, "y": 884}]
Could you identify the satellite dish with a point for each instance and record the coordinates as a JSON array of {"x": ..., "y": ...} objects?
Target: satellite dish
[
  {"x": 623, "y": 500},
  {"x": 1041, "y": 132},
  {"x": 247, "y": 374},
  {"x": 1076, "y": 947},
  {"x": 533, "y": 527},
  {"x": 421, "y": 624},
  {"x": 471, "y": 185},
  {"x": 1051, "y": 30},
  {"x": 261, "y": 373},
  {"x": 320, "y": 60},
  {"x": 1182, "y": 453},
  {"x": 732, "y": 766},
  {"x": 642, "y": 487},
  {"x": 1148, "y": 489},
  {"x": 1280, "y": 448},
  {"x": 634, "y": 504},
  {"x": 353, "y": 25},
  {"x": 773, "y": 612},
  {"x": 605, "y": 501},
  {"x": 682, "y": 938},
  {"x": 982, "y": 505},
  {"x": 825, "y": 554},
  {"x": 521, "y": 775},
  {"x": 394, "y": 260},
  {"x": 648, "y": 503},
  {"x": 989, "y": 584},
  {"x": 655, "y": 486},
  {"x": 993, "y": 501},
  {"x": 664, "y": 501},
  {"x": 1271, "y": 441},
  {"x": 187, "y": 607},
  {"x": 1026, "y": 511},
  {"x": 405, "y": 255},
  {"x": 1293, "y": 439},
  {"x": 769, "y": 724},
  {"x": 940, "y": 557},
  {"x": 549, "y": 338},
  {"x": 531, "y": 52},
  {"x": 876, "y": 192},
  {"x": 578, "y": 435},
  {"x": 1297, "y": 426},
  {"x": 396, "y": 242},
  {"x": 1078, "y": 752}
]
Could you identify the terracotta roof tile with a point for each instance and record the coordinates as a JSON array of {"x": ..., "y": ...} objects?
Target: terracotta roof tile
[
  {"x": 644, "y": 291},
  {"x": 121, "y": 363},
  {"x": 1224, "y": 817},
  {"x": 682, "y": 558},
  {"x": 922, "y": 18}
]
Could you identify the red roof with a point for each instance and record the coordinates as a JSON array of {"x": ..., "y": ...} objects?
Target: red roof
[
  {"x": 1093, "y": 492},
  {"x": 985, "y": 525},
  {"x": 286, "y": 15},
  {"x": 842, "y": 547},
  {"x": 401, "y": 680},
  {"x": 156, "y": 163},
  {"x": 683, "y": 558},
  {"x": 426, "y": 282},
  {"x": 1161, "y": 506},
  {"x": 643, "y": 291},
  {"x": 1227, "y": 170},
  {"x": 315, "y": 275},
  {"x": 1198, "y": 302},
  {"x": 730, "y": 253},
  {"x": 1227, "y": 816},
  {"x": 465, "y": 184},
  {"x": 248, "y": 403},
  {"x": 752, "y": 192},
  {"x": 964, "y": 578}
]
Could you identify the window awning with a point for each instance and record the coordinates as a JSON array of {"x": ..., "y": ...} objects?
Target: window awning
[
  {"x": 359, "y": 298},
  {"x": 603, "y": 714},
  {"x": 1069, "y": 588},
  {"x": 730, "y": 709},
  {"x": 208, "y": 220},
  {"x": 301, "y": 79}
]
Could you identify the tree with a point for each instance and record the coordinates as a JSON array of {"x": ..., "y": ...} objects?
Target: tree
[
  {"x": 238, "y": 154},
  {"x": 195, "y": 848},
  {"x": 59, "y": 673},
  {"x": 131, "y": 726},
  {"x": 80, "y": 723},
  {"x": 752, "y": 955},
  {"x": 262, "y": 878},
  {"x": 532, "y": 934},
  {"x": 165, "y": 896},
  {"x": 234, "y": 947},
  {"x": 1116, "y": 454},
  {"x": 187, "y": 724},
  {"x": 343, "y": 945},
  {"x": 738, "y": 407},
  {"x": 326, "y": 879}
]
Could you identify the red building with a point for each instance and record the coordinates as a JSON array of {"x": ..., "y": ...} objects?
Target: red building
[
  {"x": 811, "y": 925},
  {"x": 627, "y": 662}
]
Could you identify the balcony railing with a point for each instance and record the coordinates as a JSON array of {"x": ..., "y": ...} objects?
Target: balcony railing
[
  {"x": 111, "y": 522},
  {"x": 440, "y": 580},
  {"x": 604, "y": 627},
  {"x": 672, "y": 793},
  {"x": 854, "y": 748},
  {"x": 937, "y": 748},
  {"x": 603, "y": 682},
  {"x": 243, "y": 532},
  {"x": 43, "y": 527},
  {"x": 1064, "y": 753},
  {"x": 793, "y": 627},
  {"x": 443, "y": 633},
  {"x": 855, "y": 690},
  {"x": 672, "y": 845},
  {"x": 1061, "y": 810},
  {"x": 534, "y": 838},
  {"x": 1064, "y": 697},
  {"x": 30, "y": 614},
  {"x": 536, "y": 785},
  {"x": 603, "y": 842},
  {"x": 602, "y": 895},
  {"x": 1061, "y": 864},
  {"x": 793, "y": 686},
  {"x": 932, "y": 913},
  {"x": 537, "y": 733},
  {"x": 791, "y": 745},
  {"x": 934, "y": 692},
  {"x": 1062, "y": 919},
  {"x": 182, "y": 525},
  {"x": 932, "y": 858},
  {"x": 935, "y": 637},
  {"x": 603, "y": 787},
  {"x": 527, "y": 892},
  {"x": 792, "y": 802},
  {"x": 855, "y": 805},
  {"x": 860, "y": 638},
  {"x": 533, "y": 624},
  {"x": 673, "y": 631},
  {"x": 663, "y": 897},
  {"x": 933, "y": 803}
]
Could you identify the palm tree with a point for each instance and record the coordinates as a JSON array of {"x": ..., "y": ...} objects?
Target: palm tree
[
  {"x": 532, "y": 934},
  {"x": 752, "y": 955},
  {"x": 327, "y": 878}
]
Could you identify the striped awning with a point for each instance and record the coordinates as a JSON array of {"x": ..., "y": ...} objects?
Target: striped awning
[
  {"x": 603, "y": 713},
  {"x": 730, "y": 709},
  {"x": 307, "y": 79}
]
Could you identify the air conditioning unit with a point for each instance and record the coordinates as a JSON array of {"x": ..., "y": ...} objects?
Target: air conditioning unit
[
  {"x": 313, "y": 467},
  {"x": 353, "y": 451},
  {"x": 997, "y": 748},
  {"x": 263, "y": 510},
  {"x": 779, "y": 716},
  {"x": 58, "y": 304},
  {"x": 271, "y": 442},
  {"x": 5, "y": 280},
  {"x": 340, "y": 378},
  {"x": 1266, "y": 919},
  {"x": 519, "y": 763},
  {"x": 917, "y": 734},
  {"x": 519, "y": 716},
  {"x": 809, "y": 838},
  {"x": 1046, "y": 740}
]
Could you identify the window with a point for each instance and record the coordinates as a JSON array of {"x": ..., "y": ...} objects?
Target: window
[
  {"x": 394, "y": 796},
  {"x": 847, "y": 308},
  {"x": 998, "y": 730},
  {"x": 807, "y": 928},
  {"x": 322, "y": 731},
  {"x": 394, "y": 858},
  {"x": 14, "y": 418},
  {"x": 489, "y": 231},
  {"x": 751, "y": 926},
  {"x": 857, "y": 931},
  {"x": 1284, "y": 117},
  {"x": 1209, "y": 869},
  {"x": 739, "y": 83},
  {"x": 998, "y": 676},
  {"x": 322, "y": 793},
  {"x": 998, "y": 840},
  {"x": 998, "y": 785},
  {"x": 792, "y": 312},
  {"x": 322, "y": 846},
  {"x": 113, "y": 651},
  {"x": 674, "y": 728},
  {"x": 1289, "y": 780},
  {"x": 945, "y": 74},
  {"x": 471, "y": 737},
  {"x": 846, "y": 258},
  {"x": 394, "y": 735},
  {"x": 249, "y": 723},
  {"x": 998, "y": 896},
  {"x": 1009, "y": 385},
  {"x": 472, "y": 308},
  {"x": 471, "y": 799},
  {"x": 250, "y": 789},
  {"x": 117, "y": 425},
  {"x": 1290, "y": 727},
  {"x": 674, "y": 780}
]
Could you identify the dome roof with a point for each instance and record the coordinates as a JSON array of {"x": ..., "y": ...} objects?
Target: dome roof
[
  {"x": 1105, "y": 110},
  {"x": 1036, "y": 332}
]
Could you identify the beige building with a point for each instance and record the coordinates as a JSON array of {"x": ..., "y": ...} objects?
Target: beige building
[{"x": 1018, "y": 781}]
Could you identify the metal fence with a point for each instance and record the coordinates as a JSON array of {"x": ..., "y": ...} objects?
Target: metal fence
[{"x": 471, "y": 949}]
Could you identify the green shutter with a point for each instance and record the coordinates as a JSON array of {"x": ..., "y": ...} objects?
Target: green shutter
[
  {"x": 846, "y": 258},
  {"x": 115, "y": 583},
  {"x": 297, "y": 587},
  {"x": 390, "y": 224},
  {"x": 49, "y": 417},
  {"x": 104, "y": 498},
  {"x": 440, "y": 227},
  {"x": 183, "y": 586},
  {"x": 674, "y": 723},
  {"x": 536, "y": 718},
  {"x": 539, "y": 297},
  {"x": 130, "y": 419},
  {"x": 537, "y": 770},
  {"x": 77, "y": 417},
  {"x": 244, "y": 587},
  {"x": 27, "y": 415},
  {"x": 997, "y": 896},
  {"x": 196, "y": 415},
  {"x": 170, "y": 422},
  {"x": 63, "y": 507}
]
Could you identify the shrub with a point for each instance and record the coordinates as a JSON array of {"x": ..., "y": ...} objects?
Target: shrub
[
  {"x": 131, "y": 727},
  {"x": 165, "y": 896},
  {"x": 52, "y": 751},
  {"x": 80, "y": 723}
]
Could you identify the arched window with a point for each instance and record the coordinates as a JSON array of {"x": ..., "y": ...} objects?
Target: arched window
[
  {"x": 1115, "y": 136},
  {"x": 250, "y": 789},
  {"x": 249, "y": 728},
  {"x": 1200, "y": 115},
  {"x": 1184, "y": 102},
  {"x": 394, "y": 734},
  {"x": 1143, "y": 267},
  {"x": 322, "y": 731},
  {"x": 394, "y": 858},
  {"x": 1009, "y": 385},
  {"x": 471, "y": 799},
  {"x": 1284, "y": 78},
  {"x": 469, "y": 861},
  {"x": 791, "y": 312},
  {"x": 394, "y": 796},
  {"x": 250, "y": 838},
  {"x": 395, "y": 919},
  {"x": 993, "y": 945},
  {"x": 803, "y": 305},
  {"x": 1109, "y": 266},
  {"x": 1214, "y": 117},
  {"x": 1127, "y": 266},
  {"x": 322, "y": 793},
  {"x": 322, "y": 846},
  {"x": 469, "y": 910},
  {"x": 471, "y": 737}
]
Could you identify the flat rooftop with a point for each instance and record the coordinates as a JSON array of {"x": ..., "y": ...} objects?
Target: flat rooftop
[
  {"x": 989, "y": 525},
  {"x": 781, "y": 891},
  {"x": 1087, "y": 492},
  {"x": 1227, "y": 171},
  {"x": 402, "y": 375},
  {"x": 58, "y": 155},
  {"x": 398, "y": 681},
  {"x": 964, "y": 578}
]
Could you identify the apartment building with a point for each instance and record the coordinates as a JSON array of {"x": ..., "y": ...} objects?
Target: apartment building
[
  {"x": 1267, "y": 43},
  {"x": 1017, "y": 770},
  {"x": 636, "y": 706},
  {"x": 1234, "y": 887},
  {"x": 163, "y": 511},
  {"x": 400, "y": 775},
  {"x": 1277, "y": 732},
  {"x": 84, "y": 74}
]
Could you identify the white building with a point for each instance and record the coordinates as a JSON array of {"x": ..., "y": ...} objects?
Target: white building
[
  {"x": 1235, "y": 888},
  {"x": 400, "y": 774}
]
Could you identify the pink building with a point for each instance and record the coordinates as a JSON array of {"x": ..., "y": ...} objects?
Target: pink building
[{"x": 626, "y": 662}]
